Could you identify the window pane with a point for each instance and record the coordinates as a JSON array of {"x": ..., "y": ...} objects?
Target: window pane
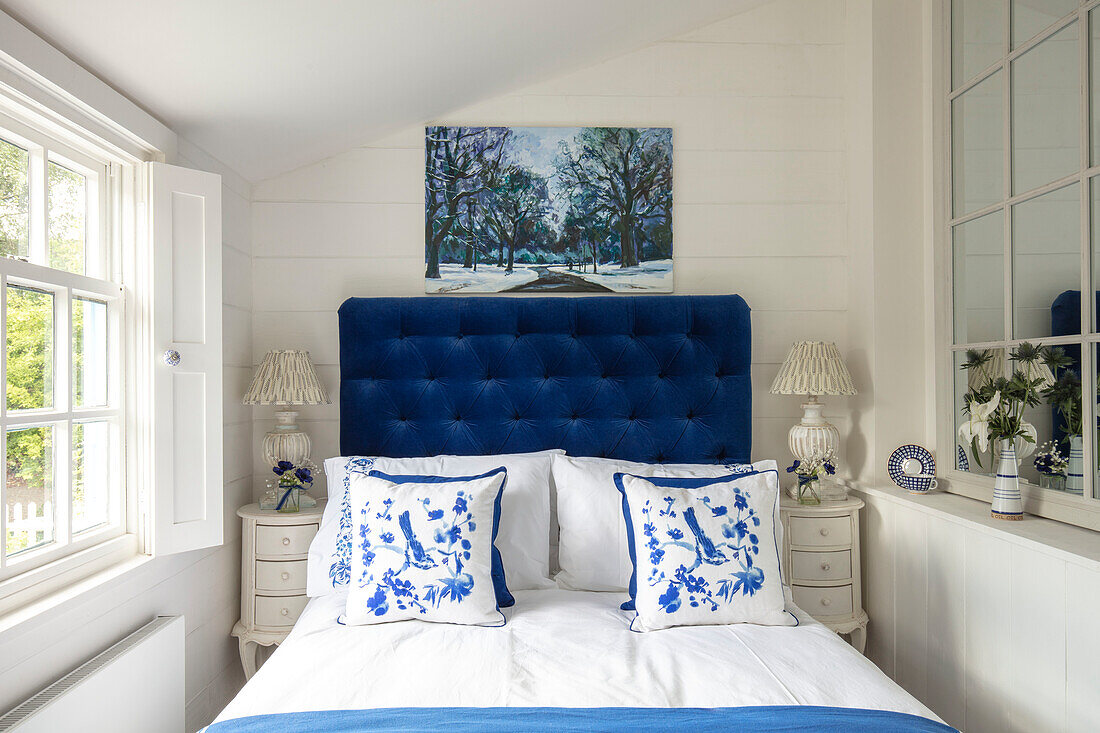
[
  {"x": 1046, "y": 258},
  {"x": 1057, "y": 414},
  {"x": 89, "y": 353},
  {"x": 1094, "y": 195},
  {"x": 977, "y": 148},
  {"x": 1031, "y": 16},
  {"x": 986, "y": 365},
  {"x": 977, "y": 36},
  {"x": 979, "y": 280},
  {"x": 1094, "y": 435},
  {"x": 1046, "y": 118},
  {"x": 68, "y": 218},
  {"x": 91, "y": 475},
  {"x": 29, "y": 496},
  {"x": 14, "y": 204},
  {"x": 1058, "y": 420},
  {"x": 30, "y": 348},
  {"x": 1094, "y": 93}
]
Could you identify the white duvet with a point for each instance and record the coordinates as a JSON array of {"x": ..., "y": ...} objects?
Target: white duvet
[{"x": 561, "y": 649}]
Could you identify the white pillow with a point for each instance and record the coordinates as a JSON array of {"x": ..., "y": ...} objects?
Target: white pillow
[
  {"x": 592, "y": 547},
  {"x": 705, "y": 550},
  {"x": 523, "y": 540},
  {"x": 423, "y": 551}
]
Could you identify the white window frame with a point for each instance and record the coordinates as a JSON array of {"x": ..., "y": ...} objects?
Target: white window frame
[
  {"x": 1082, "y": 511},
  {"x": 118, "y": 194}
]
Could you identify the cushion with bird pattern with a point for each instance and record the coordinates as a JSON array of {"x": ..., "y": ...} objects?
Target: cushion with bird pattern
[
  {"x": 704, "y": 550},
  {"x": 423, "y": 550}
]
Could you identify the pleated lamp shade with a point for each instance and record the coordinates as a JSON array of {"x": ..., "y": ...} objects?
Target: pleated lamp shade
[
  {"x": 813, "y": 368},
  {"x": 977, "y": 377},
  {"x": 286, "y": 377}
]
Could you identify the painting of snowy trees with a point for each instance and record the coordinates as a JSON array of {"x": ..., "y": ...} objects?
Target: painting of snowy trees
[{"x": 538, "y": 209}]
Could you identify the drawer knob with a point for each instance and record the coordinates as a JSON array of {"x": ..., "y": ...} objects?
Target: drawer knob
[
  {"x": 824, "y": 531},
  {"x": 285, "y": 612},
  {"x": 286, "y": 540},
  {"x": 286, "y": 576},
  {"x": 824, "y": 566},
  {"x": 824, "y": 602}
]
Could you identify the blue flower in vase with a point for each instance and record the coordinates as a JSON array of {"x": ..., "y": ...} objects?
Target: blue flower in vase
[
  {"x": 794, "y": 466},
  {"x": 304, "y": 475},
  {"x": 282, "y": 467},
  {"x": 830, "y": 469}
]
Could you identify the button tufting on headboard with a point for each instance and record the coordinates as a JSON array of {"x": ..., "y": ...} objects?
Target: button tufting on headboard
[{"x": 644, "y": 378}]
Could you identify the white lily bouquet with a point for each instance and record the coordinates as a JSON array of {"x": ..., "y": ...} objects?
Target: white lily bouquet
[{"x": 996, "y": 404}]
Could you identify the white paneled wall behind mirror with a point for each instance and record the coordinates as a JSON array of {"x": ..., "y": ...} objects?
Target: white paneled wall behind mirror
[
  {"x": 1024, "y": 211},
  {"x": 994, "y": 633}
]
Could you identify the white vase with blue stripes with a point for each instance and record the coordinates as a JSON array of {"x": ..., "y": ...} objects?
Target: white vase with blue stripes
[
  {"x": 1008, "y": 503},
  {"x": 1075, "y": 470}
]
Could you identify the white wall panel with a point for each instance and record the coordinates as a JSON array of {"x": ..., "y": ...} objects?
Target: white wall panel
[
  {"x": 945, "y": 690},
  {"x": 1083, "y": 649},
  {"x": 990, "y": 631},
  {"x": 1037, "y": 609},
  {"x": 988, "y": 626},
  {"x": 877, "y": 521},
  {"x": 911, "y": 602}
]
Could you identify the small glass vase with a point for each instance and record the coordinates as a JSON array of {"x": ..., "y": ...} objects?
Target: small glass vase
[
  {"x": 808, "y": 493},
  {"x": 290, "y": 499},
  {"x": 1056, "y": 481}
]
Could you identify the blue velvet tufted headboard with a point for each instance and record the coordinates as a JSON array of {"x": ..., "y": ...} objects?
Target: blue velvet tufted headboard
[{"x": 644, "y": 378}]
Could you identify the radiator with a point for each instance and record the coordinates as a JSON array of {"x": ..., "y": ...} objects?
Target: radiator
[{"x": 136, "y": 685}]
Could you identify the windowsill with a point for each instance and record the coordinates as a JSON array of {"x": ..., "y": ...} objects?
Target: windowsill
[
  {"x": 122, "y": 558},
  {"x": 1074, "y": 544}
]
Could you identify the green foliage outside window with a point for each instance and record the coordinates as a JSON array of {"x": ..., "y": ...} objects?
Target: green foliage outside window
[{"x": 30, "y": 328}]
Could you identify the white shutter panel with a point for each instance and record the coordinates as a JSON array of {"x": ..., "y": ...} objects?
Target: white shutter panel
[{"x": 186, "y": 231}]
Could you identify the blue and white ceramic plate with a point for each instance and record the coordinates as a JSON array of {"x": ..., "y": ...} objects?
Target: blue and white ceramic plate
[{"x": 912, "y": 468}]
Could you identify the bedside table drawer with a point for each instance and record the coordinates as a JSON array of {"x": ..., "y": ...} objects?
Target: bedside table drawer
[
  {"x": 287, "y": 575},
  {"x": 273, "y": 541},
  {"x": 821, "y": 565},
  {"x": 829, "y": 601},
  {"x": 272, "y": 611},
  {"x": 820, "y": 531}
]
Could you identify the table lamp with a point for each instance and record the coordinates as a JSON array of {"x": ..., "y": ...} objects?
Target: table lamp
[
  {"x": 286, "y": 378},
  {"x": 814, "y": 368}
]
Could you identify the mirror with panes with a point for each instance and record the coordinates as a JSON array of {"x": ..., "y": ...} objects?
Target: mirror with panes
[{"x": 1023, "y": 213}]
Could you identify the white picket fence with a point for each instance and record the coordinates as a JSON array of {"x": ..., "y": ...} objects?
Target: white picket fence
[{"x": 27, "y": 519}]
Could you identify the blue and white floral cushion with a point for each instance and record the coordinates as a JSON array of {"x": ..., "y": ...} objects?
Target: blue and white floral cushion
[
  {"x": 423, "y": 551},
  {"x": 704, "y": 550}
]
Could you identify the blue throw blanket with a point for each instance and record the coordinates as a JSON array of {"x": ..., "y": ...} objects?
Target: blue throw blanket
[{"x": 776, "y": 719}]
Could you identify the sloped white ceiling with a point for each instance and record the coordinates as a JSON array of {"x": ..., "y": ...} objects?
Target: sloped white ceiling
[{"x": 270, "y": 85}]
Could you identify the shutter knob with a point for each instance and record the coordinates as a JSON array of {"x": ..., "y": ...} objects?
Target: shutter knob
[
  {"x": 284, "y": 611},
  {"x": 824, "y": 602},
  {"x": 286, "y": 576},
  {"x": 286, "y": 540},
  {"x": 172, "y": 357},
  {"x": 824, "y": 531},
  {"x": 824, "y": 566}
]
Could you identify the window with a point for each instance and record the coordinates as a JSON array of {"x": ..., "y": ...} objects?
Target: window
[
  {"x": 1023, "y": 231},
  {"x": 62, "y": 419}
]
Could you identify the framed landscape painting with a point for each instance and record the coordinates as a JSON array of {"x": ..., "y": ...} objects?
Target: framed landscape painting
[{"x": 541, "y": 209}]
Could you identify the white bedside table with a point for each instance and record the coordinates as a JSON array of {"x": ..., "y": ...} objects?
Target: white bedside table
[
  {"x": 821, "y": 558},
  {"x": 273, "y": 576}
]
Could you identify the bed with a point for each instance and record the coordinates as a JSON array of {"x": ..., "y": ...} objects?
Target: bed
[{"x": 654, "y": 379}]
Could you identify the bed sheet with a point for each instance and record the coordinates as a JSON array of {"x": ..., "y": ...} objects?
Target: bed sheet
[{"x": 561, "y": 649}]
